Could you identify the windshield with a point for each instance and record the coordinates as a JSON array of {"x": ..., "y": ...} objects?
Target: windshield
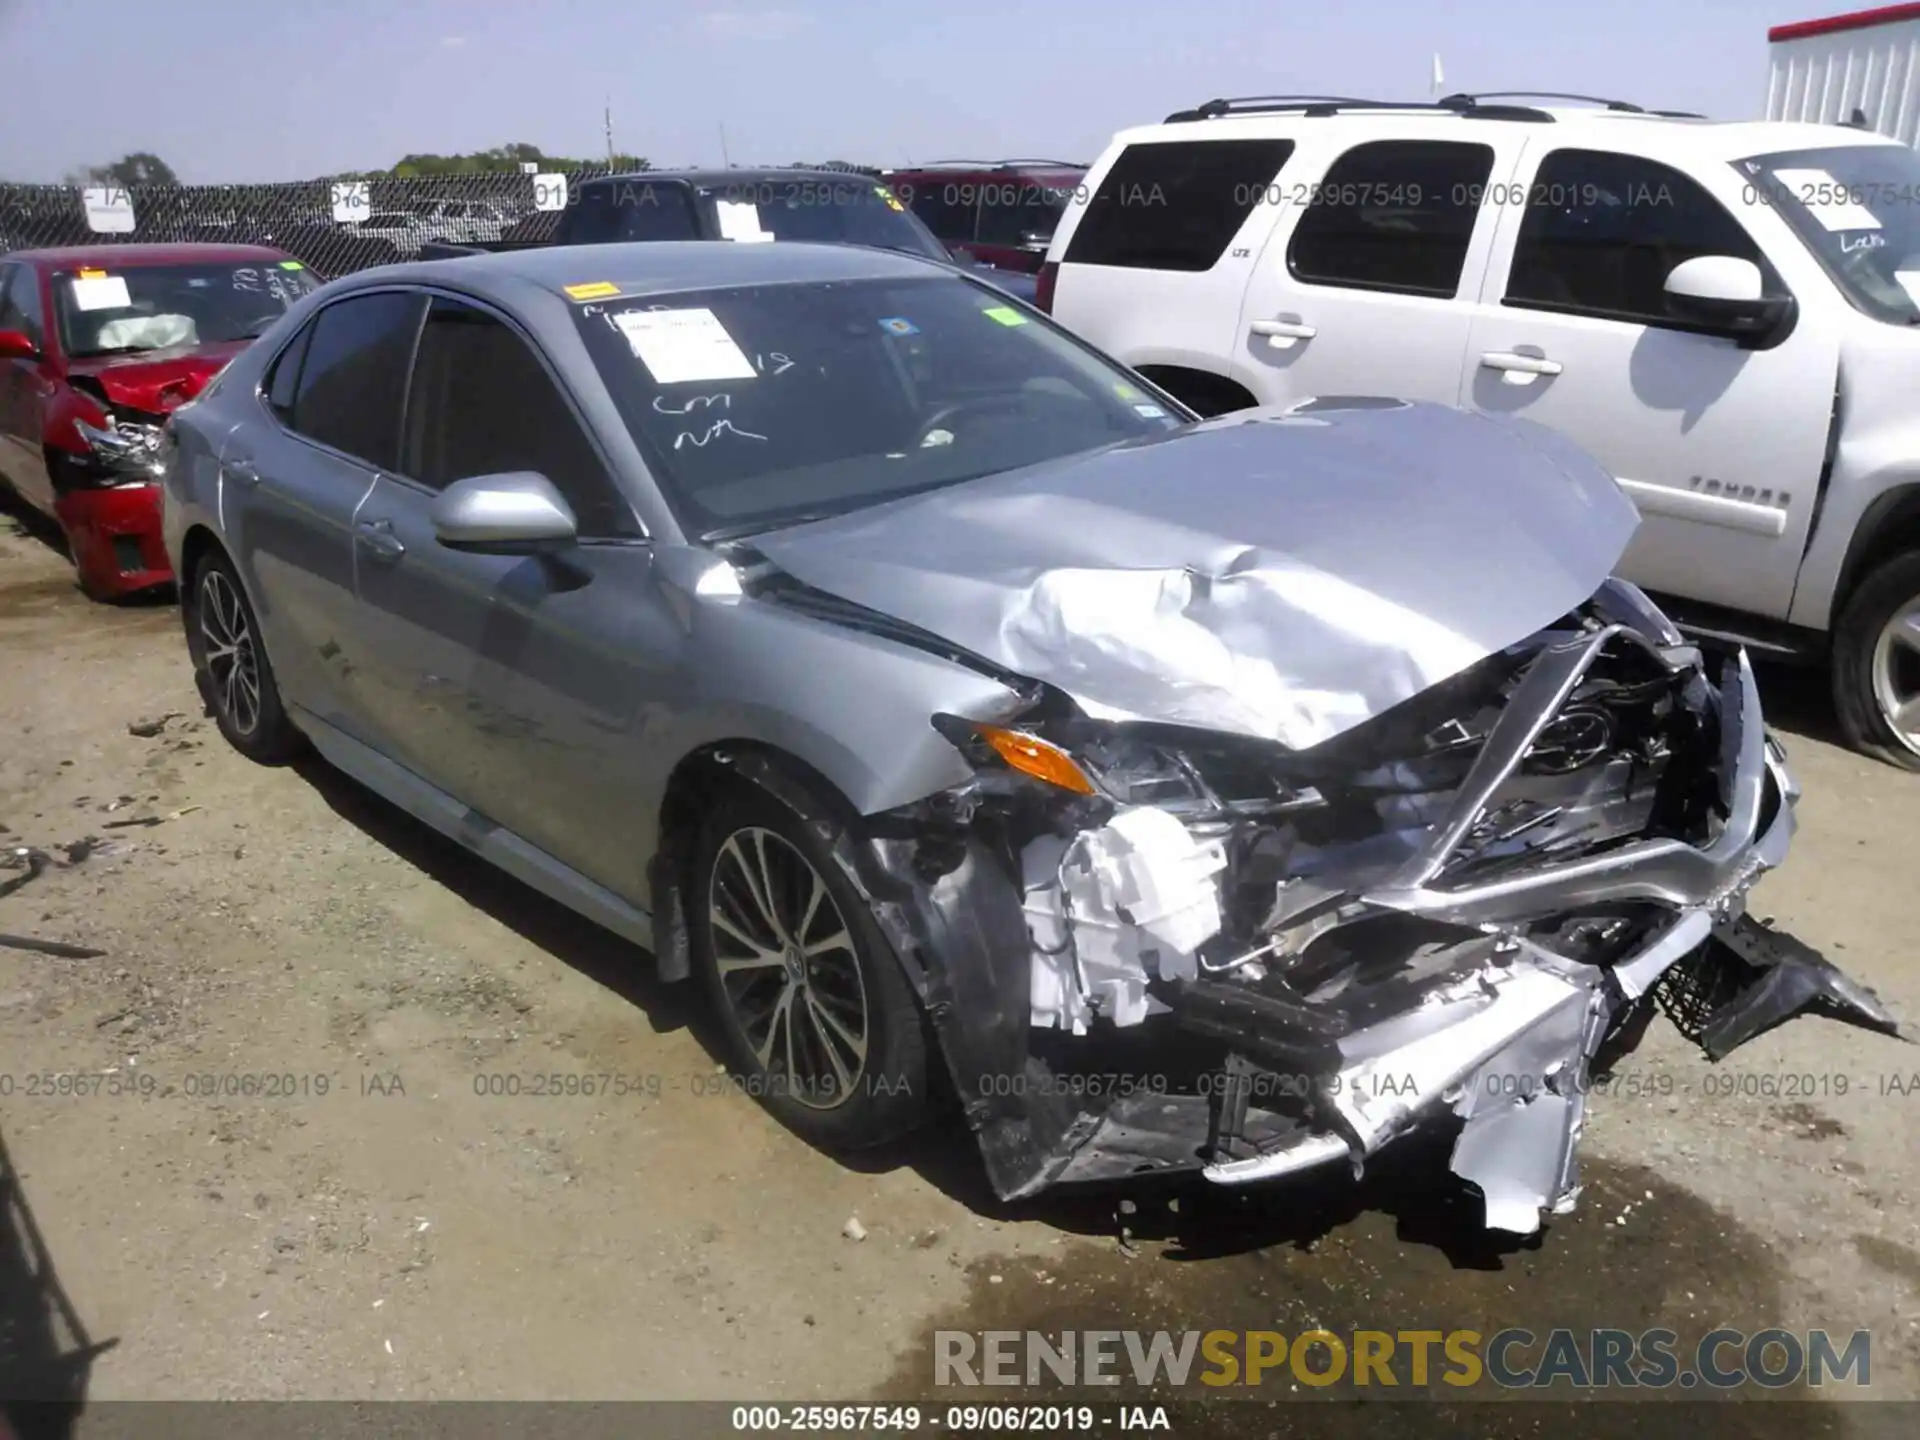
[
  {"x": 765, "y": 406},
  {"x": 102, "y": 311},
  {"x": 1853, "y": 205},
  {"x": 843, "y": 212}
]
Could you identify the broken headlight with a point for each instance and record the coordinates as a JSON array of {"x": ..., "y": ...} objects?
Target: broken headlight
[
  {"x": 989, "y": 746},
  {"x": 123, "y": 452}
]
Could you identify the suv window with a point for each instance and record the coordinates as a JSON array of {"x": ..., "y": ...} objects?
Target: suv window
[
  {"x": 1016, "y": 212},
  {"x": 1394, "y": 215},
  {"x": 355, "y": 374},
  {"x": 20, "y": 302},
  {"x": 1175, "y": 205},
  {"x": 630, "y": 210},
  {"x": 483, "y": 404},
  {"x": 946, "y": 207},
  {"x": 1602, "y": 232}
]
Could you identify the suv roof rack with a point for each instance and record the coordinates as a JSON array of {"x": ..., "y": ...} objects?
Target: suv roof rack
[
  {"x": 1464, "y": 100},
  {"x": 1324, "y": 105}
]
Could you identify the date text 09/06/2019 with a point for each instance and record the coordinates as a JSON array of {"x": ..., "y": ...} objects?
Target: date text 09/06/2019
[{"x": 952, "y": 1419}]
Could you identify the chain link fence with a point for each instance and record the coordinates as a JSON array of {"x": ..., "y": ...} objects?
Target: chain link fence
[{"x": 333, "y": 227}]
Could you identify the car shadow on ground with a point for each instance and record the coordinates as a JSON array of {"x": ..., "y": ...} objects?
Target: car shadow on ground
[
  {"x": 46, "y": 1355},
  {"x": 597, "y": 953}
]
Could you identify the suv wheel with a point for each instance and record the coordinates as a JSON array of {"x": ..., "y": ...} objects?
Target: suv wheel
[
  {"x": 815, "y": 1013},
  {"x": 230, "y": 664},
  {"x": 1876, "y": 663}
]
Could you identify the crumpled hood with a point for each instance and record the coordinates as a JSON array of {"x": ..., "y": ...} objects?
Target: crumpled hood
[
  {"x": 158, "y": 380},
  {"x": 1280, "y": 574}
]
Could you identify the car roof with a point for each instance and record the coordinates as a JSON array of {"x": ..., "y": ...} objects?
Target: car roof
[
  {"x": 711, "y": 179},
  {"x": 994, "y": 167},
  {"x": 133, "y": 257},
  {"x": 1688, "y": 136},
  {"x": 652, "y": 267}
]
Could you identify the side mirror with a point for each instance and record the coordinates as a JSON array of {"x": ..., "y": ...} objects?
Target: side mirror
[
  {"x": 17, "y": 345},
  {"x": 517, "y": 513},
  {"x": 1728, "y": 294}
]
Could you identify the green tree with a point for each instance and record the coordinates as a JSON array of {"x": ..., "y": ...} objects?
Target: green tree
[{"x": 142, "y": 167}]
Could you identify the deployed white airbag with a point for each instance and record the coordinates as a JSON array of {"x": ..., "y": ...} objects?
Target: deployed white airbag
[{"x": 148, "y": 332}]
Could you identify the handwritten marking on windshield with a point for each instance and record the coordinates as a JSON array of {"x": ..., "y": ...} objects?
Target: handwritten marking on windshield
[
  {"x": 246, "y": 279},
  {"x": 784, "y": 365},
  {"x": 719, "y": 427},
  {"x": 1871, "y": 240},
  {"x": 696, "y": 402}
]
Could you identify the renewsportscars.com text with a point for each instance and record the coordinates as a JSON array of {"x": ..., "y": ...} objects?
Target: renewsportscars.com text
[{"x": 1513, "y": 1358}]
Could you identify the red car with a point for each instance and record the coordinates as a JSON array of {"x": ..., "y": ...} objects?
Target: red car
[
  {"x": 1000, "y": 212},
  {"x": 98, "y": 344}
]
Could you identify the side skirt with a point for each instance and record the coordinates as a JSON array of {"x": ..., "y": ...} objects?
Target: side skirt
[{"x": 432, "y": 806}]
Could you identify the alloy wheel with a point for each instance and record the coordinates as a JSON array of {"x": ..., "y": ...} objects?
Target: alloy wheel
[
  {"x": 788, "y": 968},
  {"x": 232, "y": 662}
]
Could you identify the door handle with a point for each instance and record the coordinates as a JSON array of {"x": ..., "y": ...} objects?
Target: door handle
[
  {"x": 242, "y": 470},
  {"x": 378, "y": 537},
  {"x": 1283, "y": 334},
  {"x": 1519, "y": 369}
]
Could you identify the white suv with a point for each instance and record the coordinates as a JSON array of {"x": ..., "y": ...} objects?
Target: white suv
[{"x": 1726, "y": 315}]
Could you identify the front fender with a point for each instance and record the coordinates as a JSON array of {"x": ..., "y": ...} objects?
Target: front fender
[{"x": 853, "y": 707}]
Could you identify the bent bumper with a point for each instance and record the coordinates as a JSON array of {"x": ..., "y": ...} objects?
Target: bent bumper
[
  {"x": 1507, "y": 1047},
  {"x": 115, "y": 537}
]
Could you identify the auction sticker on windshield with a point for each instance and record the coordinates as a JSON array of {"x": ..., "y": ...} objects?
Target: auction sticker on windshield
[
  {"x": 1005, "y": 315},
  {"x": 101, "y": 292},
  {"x": 681, "y": 345},
  {"x": 595, "y": 290},
  {"x": 1825, "y": 198}
]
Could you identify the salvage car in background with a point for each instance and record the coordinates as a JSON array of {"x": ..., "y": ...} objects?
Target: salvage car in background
[
  {"x": 1001, "y": 212},
  {"x": 744, "y": 206},
  {"x": 97, "y": 345},
  {"x": 938, "y": 692}
]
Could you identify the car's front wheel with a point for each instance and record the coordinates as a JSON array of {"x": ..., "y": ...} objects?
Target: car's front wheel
[
  {"x": 230, "y": 664},
  {"x": 1876, "y": 663},
  {"x": 812, "y": 1004}
]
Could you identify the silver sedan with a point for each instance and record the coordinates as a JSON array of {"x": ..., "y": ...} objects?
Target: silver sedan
[{"x": 1232, "y": 796}]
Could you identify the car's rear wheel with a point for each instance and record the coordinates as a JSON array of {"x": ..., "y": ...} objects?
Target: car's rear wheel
[
  {"x": 230, "y": 664},
  {"x": 1876, "y": 663},
  {"x": 812, "y": 1005}
]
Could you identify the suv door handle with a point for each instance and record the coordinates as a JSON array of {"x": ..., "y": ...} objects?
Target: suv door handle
[
  {"x": 243, "y": 470},
  {"x": 378, "y": 537},
  {"x": 1520, "y": 369},
  {"x": 1282, "y": 334}
]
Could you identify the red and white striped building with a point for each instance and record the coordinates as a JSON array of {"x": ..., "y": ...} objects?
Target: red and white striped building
[{"x": 1867, "y": 61}]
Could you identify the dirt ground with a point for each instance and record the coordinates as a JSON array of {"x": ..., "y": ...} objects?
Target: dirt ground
[{"x": 403, "y": 1236}]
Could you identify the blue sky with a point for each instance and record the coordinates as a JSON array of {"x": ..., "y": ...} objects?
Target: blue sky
[{"x": 246, "y": 90}]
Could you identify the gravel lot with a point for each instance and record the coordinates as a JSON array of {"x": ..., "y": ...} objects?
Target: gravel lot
[{"x": 401, "y": 1236}]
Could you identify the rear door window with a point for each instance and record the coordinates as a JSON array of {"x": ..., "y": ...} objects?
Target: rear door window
[
  {"x": 1394, "y": 215},
  {"x": 631, "y": 210},
  {"x": 1175, "y": 205},
  {"x": 1018, "y": 212},
  {"x": 354, "y": 378},
  {"x": 946, "y": 207}
]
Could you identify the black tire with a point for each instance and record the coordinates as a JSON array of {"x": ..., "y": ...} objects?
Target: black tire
[
  {"x": 214, "y": 604},
  {"x": 1893, "y": 586},
  {"x": 887, "y": 1096}
]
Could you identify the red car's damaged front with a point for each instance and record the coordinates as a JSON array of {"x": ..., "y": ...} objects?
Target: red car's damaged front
[{"x": 130, "y": 333}]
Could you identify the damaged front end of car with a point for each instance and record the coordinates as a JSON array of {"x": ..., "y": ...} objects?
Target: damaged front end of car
[{"x": 1150, "y": 947}]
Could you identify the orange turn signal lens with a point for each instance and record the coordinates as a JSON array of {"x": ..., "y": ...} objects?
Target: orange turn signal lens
[{"x": 1033, "y": 756}]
